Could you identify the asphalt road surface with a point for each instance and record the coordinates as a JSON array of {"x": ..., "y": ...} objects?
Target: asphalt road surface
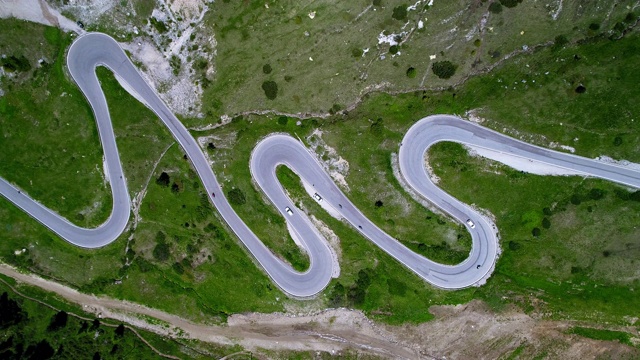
[{"x": 95, "y": 49}]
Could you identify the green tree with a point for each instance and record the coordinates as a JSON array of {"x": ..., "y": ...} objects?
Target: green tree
[
  {"x": 495, "y": 7},
  {"x": 510, "y": 3},
  {"x": 162, "y": 251},
  {"x": 270, "y": 89},
  {"x": 411, "y": 72},
  {"x": 400, "y": 12},
  {"x": 443, "y": 69},
  {"x": 267, "y": 69},
  {"x": 236, "y": 196},
  {"x": 58, "y": 321},
  {"x": 163, "y": 179}
]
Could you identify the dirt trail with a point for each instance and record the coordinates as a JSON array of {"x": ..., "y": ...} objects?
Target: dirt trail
[
  {"x": 458, "y": 332},
  {"x": 331, "y": 331}
]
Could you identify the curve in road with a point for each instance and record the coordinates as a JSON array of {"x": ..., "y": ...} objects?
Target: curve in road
[{"x": 95, "y": 49}]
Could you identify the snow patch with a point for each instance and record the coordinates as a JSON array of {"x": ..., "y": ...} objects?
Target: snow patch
[
  {"x": 390, "y": 39},
  {"x": 520, "y": 163}
]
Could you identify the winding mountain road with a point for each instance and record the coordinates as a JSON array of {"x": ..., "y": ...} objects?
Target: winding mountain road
[{"x": 95, "y": 49}]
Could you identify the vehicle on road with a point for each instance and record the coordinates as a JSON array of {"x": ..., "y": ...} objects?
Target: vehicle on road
[
  {"x": 213, "y": 194},
  {"x": 471, "y": 224},
  {"x": 317, "y": 197},
  {"x": 288, "y": 210}
]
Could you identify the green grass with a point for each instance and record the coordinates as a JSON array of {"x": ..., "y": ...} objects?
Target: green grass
[
  {"x": 284, "y": 36},
  {"x": 578, "y": 268},
  {"x": 600, "y": 334},
  {"x": 71, "y": 340}
]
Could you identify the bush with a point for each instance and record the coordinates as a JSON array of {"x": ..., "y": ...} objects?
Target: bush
[
  {"x": 163, "y": 180},
  {"x": 267, "y": 69},
  {"x": 377, "y": 128},
  {"x": 270, "y": 89},
  {"x": 160, "y": 26},
  {"x": 411, "y": 72},
  {"x": 617, "y": 141},
  {"x": 546, "y": 223},
  {"x": 510, "y": 3},
  {"x": 443, "y": 69},
  {"x": 58, "y": 321},
  {"x": 13, "y": 63},
  {"x": 178, "y": 268},
  {"x": 495, "y": 7},
  {"x": 379, "y": 203},
  {"x": 400, "y": 12},
  {"x": 357, "y": 53},
  {"x": 596, "y": 194},
  {"x": 393, "y": 49},
  {"x": 283, "y": 120},
  {"x": 162, "y": 251},
  {"x": 236, "y": 196},
  {"x": 514, "y": 245},
  {"x": 536, "y": 232},
  {"x": 594, "y": 26},
  {"x": 576, "y": 199},
  {"x": 559, "y": 42}
]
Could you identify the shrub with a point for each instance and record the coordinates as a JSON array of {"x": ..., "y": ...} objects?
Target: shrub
[
  {"x": 596, "y": 194},
  {"x": 267, "y": 69},
  {"x": 546, "y": 223},
  {"x": 514, "y": 245},
  {"x": 163, "y": 180},
  {"x": 575, "y": 199},
  {"x": 377, "y": 2},
  {"x": 559, "y": 42},
  {"x": 495, "y": 7},
  {"x": 535, "y": 232},
  {"x": 236, "y": 196},
  {"x": 161, "y": 252},
  {"x": 594, "y": 26},
  {"x": 411, "y": 72},
  {"x": 510, "y": 3},
  {"x": 377, "y": 128},
  {"x": 283, "y": 120},
  {"x": 13, "y": 63},
  {"x": 379, "y": 203},
  {"x": 160, "y": 26},
  {"x": 58, "y": 321},
  {"x": 400, "y": 12},
  {"x": 443, "y": 69},
  {"x": 617, "y": 141},
  {"x": 356, "y": 53},
  {"x": 393, "y": 49},
  {"x": 270, "y": 89}
]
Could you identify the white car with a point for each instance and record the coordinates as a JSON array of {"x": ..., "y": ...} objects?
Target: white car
[
  {"x": 317, "y": 197},
  {"x": 288, "y": 210},
  {"x": 471, "y": 224}
]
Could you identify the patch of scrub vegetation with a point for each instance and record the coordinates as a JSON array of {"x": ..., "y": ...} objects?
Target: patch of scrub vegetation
[
  {"x": 50, "y": 328},
  {"x": 602, "y": 334},
  {"x": 334, "y": 52}
]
